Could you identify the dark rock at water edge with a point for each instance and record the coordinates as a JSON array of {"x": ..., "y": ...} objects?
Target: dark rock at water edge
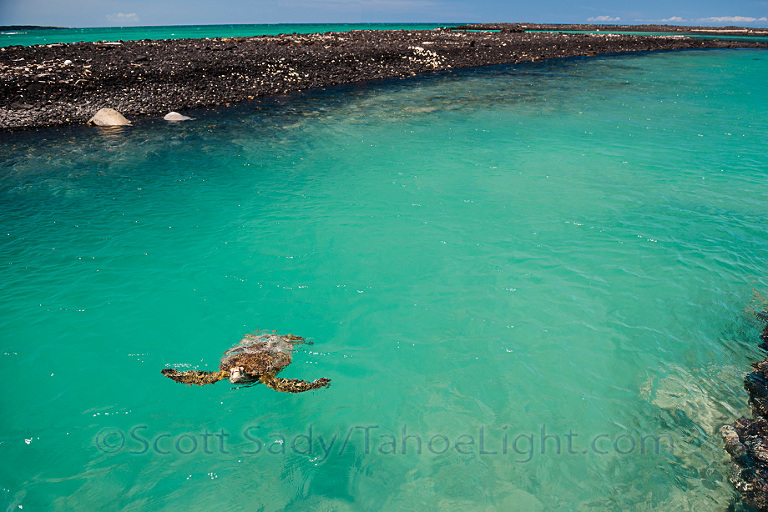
[
  {"x": 58, "y": 84},
  {"x": 746, "y": 440},
  {"x": 25, "y": 27}
]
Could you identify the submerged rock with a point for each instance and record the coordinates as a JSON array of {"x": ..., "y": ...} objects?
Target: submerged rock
[
  {"x": 175, "y": 116},
  {"x": 108, "y": 117},
  {"x": 764, "y": 336},
  {"x": 746, "y": 440}
]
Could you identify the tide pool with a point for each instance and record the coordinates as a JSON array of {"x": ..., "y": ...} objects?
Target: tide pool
[{"x": 530, "y": 285}]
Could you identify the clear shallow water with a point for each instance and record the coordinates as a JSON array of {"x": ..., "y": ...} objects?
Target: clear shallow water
[
  {"x": 74, "y": 35},
  {"x": 557, "y": 258}
]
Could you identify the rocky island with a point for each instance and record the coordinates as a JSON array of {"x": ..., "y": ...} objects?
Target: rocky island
[{"x": 60, "y": 84}]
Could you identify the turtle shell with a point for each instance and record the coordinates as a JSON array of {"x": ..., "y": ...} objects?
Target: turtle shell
[{"x": 260, "y": 354}]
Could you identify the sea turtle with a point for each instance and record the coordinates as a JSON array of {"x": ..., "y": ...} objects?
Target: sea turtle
[{"x": 258, "y": 357}]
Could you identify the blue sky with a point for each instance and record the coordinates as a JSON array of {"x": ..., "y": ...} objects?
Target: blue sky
[{"x": 103, "y": 13}]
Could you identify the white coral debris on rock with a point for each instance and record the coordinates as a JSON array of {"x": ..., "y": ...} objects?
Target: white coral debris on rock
[{"x": 426, "y": 57}]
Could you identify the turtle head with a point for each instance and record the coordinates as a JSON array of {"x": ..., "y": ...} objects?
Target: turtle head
[{"x": 236, "y": 374}]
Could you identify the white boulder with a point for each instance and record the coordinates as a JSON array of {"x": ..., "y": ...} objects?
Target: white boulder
[
  {"x": 175, "y": 116},
  {"x": 109, "y": 117}
]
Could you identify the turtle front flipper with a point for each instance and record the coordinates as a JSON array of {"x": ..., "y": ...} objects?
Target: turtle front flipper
[
  {"x": 194, "y": 377},
  {"x": 293, "y": 385}
]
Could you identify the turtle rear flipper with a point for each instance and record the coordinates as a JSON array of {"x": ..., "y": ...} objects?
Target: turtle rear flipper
[
  {"x": 194, "y": 377},
  {"x": 294, "y": 385}
]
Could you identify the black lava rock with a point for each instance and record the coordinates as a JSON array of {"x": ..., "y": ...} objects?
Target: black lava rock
[{"x": 149, "y": 78}]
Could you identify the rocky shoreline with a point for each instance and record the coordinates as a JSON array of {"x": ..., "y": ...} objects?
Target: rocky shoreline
[{"x": 61, "y": 84}]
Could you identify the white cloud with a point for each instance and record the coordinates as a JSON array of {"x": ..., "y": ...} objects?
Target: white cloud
[
  {"x": 731, "y": 19},
  {"x": 376, "y": 4},
  {"x": 123, "y": 19},
  {"x": 604, "y": 18},
  {"x": 674, "y": 19}
]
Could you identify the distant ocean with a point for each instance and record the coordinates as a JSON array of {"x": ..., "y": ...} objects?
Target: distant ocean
[
  {"x": 72, "y": 35},
  {"x": 531, "y": 286},
  {"x": 29, "y": 37}
]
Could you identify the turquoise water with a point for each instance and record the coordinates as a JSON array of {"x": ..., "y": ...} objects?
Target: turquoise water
[
  {"x": 74, "y": 35},
  {"x": 529, "y": 285},
  {"x": 723, "y": 36}
]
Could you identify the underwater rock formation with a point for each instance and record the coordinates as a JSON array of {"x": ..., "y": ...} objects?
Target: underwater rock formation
[
  {"x": 746, "y": 440},
  {"x": 764, "y": 336}
]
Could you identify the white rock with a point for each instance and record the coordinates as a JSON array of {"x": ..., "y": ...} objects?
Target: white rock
[
  {"x": 109, "y": 117},
  {"x": 67, "y": 62},
  {"x": 175, "y": 116}
]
